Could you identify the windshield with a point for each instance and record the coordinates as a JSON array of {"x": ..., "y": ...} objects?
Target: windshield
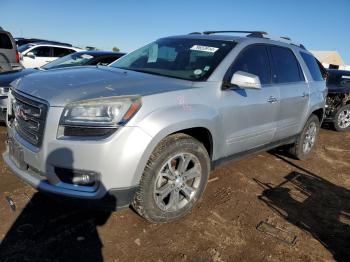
[
  {"x": 74, "y": 59},
  {"x": 190, "y": 59},
  {"x": 23, "y": 48}
]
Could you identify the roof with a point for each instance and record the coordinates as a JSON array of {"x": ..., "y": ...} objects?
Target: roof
[
  {"x": 340, "y": 72},
  {"x": 222, "y": 36},
  {"x": 211, "y": 37},
  {"x": 328, "y": 57}
]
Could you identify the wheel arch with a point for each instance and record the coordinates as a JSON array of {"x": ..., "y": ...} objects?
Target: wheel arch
[{"x": 201, "y": 123}]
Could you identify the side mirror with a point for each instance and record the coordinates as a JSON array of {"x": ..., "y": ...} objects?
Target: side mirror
[
  {"x": 30, "y": 54},
  {"x": 245, "y": 80}
]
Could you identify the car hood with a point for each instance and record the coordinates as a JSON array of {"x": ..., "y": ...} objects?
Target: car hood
[
  {"x": 62, "y": 86},
  {"x": 7, "y": 77}
]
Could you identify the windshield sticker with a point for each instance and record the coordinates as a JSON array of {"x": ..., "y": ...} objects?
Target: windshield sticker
[
  {"x": 197, "y": 71},
  {"x": 153, "y": 54},
  {"x": 206, "y": 68},
  {"x": 203, "y": 48}
]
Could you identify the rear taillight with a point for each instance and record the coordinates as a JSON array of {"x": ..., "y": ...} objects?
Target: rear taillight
[{"x": 18, "y": 56}]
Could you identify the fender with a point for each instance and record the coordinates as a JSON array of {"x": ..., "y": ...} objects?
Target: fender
[{"x": 165, "y": 121}]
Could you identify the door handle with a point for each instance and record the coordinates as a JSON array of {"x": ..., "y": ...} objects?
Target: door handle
[
  {"x": 305, "y": 94},
  {"x": 272, "y": 99}
]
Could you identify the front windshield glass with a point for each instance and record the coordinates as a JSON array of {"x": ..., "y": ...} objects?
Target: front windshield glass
[
  {"x": 23, "y": 48},
  {"x": 74, "y": 59},
  {"x": 190, "y": 59}
]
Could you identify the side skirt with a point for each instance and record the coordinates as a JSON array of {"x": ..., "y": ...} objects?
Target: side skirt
[{"x": 241, "y": 155}]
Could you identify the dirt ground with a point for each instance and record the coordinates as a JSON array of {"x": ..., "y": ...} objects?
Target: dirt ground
[{"x": 308, "y": 201}]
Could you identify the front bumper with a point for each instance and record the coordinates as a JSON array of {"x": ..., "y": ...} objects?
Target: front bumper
[
  {"x": 113, "y": 199},
  {"x": 119, "y": 160}
]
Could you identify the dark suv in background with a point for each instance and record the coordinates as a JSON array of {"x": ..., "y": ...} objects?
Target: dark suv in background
[{"x": 338, "y": 99}]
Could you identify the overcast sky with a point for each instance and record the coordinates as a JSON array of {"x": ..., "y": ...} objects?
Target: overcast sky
[{"x": 318, "y": 24}]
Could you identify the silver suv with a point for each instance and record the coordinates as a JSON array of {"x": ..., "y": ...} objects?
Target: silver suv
[
  {"x": 9, "y": 56},
  {"x": 148, "y": 129}
]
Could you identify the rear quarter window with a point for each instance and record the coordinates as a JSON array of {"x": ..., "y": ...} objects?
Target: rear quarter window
[
  {"x": 5, "y": 41},
  {"x": 312, "y": 65}
]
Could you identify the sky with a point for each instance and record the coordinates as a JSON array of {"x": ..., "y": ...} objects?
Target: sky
[{"x": 318, "y": 24}]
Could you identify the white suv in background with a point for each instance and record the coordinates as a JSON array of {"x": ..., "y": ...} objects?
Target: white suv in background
[{"x": 38, "y": 54}]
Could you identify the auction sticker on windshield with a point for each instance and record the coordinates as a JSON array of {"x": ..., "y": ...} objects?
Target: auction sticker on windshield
[{"x": 203, "y": 48}]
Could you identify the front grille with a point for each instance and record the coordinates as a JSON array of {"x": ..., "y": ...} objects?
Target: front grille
[{"x": 29, "y": 118}]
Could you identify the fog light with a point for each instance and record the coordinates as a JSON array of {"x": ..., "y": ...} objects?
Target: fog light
[
  {"x": 77, "y": 177},
  {"x": 84, "y": 179}
]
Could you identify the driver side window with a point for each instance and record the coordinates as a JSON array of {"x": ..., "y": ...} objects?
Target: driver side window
[{"x": 254, "y": 60}]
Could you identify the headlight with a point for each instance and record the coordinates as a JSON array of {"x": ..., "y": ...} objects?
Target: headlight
[
  {"x": 4, "y": 91},
  {"x": 90, "y": 117}
]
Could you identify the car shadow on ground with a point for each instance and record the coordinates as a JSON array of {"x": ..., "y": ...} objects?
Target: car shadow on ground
[
  {"x": 314, "y": 205},
  {"x": 52, "y": 230}
]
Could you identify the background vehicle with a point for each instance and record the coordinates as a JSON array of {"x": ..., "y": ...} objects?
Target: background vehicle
[
  {"x": 39, "y": 54},
  {"x": 148, "y": 129},
  {"x": 23, "y": 41},
  {"x": 9, "y": 56},
  {"x": 338, "y": 99},
  {"x": 75, "y": 59}
]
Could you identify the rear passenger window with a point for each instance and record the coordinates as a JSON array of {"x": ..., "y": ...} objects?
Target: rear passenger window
[
  {"x": 59, "y": 52},
  {"x": 286, "y": 65},
  {"x": 5, "y": 41},
  {"x": 312, "y": 65},
  {"x": 254, "y": 60}
]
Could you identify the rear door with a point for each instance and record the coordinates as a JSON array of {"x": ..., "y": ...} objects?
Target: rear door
[
  {"x": 293, "y": 89},
  {"x": 7, "y": 52},
  {"x": 249, "y": 115}
]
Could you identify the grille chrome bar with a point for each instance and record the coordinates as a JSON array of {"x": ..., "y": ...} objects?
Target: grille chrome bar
[{"x": 29, "y": 118}]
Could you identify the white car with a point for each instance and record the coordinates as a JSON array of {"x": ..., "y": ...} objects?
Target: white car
[{"x": 38, "y": 54}]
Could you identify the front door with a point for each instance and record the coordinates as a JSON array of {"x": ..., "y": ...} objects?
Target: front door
[
  {"x": 41, "y": 56},
  {"x": 249, "y": 115}
]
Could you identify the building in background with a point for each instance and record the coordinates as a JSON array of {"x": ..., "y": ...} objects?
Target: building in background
[{"x": 331, "y": 59}]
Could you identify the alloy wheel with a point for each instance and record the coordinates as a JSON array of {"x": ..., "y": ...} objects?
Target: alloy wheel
[{"x": 177, "y": 182}]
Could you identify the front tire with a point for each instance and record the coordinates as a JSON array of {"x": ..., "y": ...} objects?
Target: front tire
[
  {"x": 174, "y": 179},
  {"x": 342, "y": 119},
  {"x": 306, "y": 140}
]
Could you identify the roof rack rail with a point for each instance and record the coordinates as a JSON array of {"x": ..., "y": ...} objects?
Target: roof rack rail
[
  {"x": 250, "y": 33},
  {"x": 285, "y": 39},
  {"x": 258, "y": 34}
]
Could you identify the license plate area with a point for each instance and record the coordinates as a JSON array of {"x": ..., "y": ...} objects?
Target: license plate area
[{"x": 16, "y": 154}]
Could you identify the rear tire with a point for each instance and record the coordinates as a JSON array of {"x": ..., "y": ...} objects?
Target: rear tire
[
  {"x": 306, "y": 141},
  {"x": 342, "y": 119},
  {"x": 174, "y": 179}
]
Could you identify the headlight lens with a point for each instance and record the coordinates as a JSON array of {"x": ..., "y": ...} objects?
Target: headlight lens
[{"x": 106, "y": 112}]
